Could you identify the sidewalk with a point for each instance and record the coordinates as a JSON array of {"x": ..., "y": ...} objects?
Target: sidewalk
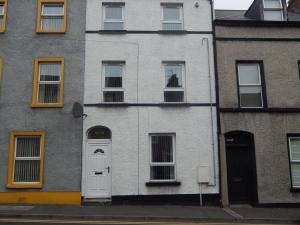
[{"x": 170, "y": 213}]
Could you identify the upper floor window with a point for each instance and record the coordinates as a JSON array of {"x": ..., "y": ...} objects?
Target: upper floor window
[
  {"x": 1, "y": 68},
  {"x": 174, "y": 82},
  {"x": 48, "y": 82},
  {"x": 26, "y": 160},
  {"x": 250, "y": 86},
  {"x": 172, "y": 17},
  {"x": 3, "y": 6},
  {"x": 113, "y": 16},
  {"x": 294, "y": 145},
  {"x": 52, "y": 16},
  {"x": 162, "y": 164},
  {"x": 273, "y": 10},
  {"x": 113, "y": 81}
]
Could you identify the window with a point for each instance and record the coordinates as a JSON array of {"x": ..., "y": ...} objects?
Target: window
[
  {"x": 299, "y": 67},
  {"x": 52, "y": 16},
  {"x": 294, "y": 145},
  {"x": 26, "y": 160},
  {"x": 162, "y": 166},
  {"x": 172, "y": 17},
  {"x": 273, "y": 10},
  {"x": 113, "y": 16},
  {"x": 113, "y": 81},
  {"x": 174, "y": 82},
  {"x": 48, "y": 82},
  {"x": 3, "y": 8},
  {"x": 250, "y": 88}
]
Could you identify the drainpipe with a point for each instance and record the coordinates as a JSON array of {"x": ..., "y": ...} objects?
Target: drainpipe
[{"x": 211, "y": 111}]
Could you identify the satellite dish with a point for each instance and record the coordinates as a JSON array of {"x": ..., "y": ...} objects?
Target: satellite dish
[{"x": 77, "y": 110}]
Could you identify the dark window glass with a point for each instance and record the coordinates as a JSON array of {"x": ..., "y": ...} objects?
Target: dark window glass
[
  {"x": 99, "y": 133},
  {"x": 162, "y": 149},
  {"x": 113, "y": 96},
  {"x": 174, "y": 96}
]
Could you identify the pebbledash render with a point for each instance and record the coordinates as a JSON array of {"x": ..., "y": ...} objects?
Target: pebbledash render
[
  {"x": 150, "y": 130},
  {"x": 41, "y": 76},
  {"x": 258, "y": 53}
]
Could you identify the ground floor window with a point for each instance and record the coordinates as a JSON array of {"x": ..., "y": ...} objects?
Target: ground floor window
[
  {"x": 294, "y": 144},
  {"x": 26, "y": 160},
  {"x": 162, "y": 164}
]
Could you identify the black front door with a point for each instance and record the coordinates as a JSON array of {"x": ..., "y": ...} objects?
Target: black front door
[{"x": 241, "y": 167}]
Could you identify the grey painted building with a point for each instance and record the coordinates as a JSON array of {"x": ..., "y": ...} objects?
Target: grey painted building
[
  {"x": 259, "y": 104},
  {"x": 42, "y": 52}
]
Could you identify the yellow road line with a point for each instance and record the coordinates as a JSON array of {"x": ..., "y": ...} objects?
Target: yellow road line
[{"x": 11, "y": 220}]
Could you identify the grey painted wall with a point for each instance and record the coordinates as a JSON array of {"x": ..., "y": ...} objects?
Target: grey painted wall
[
  {"x": 20, "y": 45},
  {"x": 269, "y": 129}
]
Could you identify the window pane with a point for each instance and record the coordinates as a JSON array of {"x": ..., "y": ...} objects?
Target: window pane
[
  {"x": 53, "y": 9},
  {"x": 162, "y": 149},
  {"x": 1, "y": 21},
  {"x": 113, "y": 26},
  {"x": 52, "y": 23},
  {"x": 249, "y": 74},
  {"x": 296, "y": 175},
  {"x": 113, "y": 96},
  {"x": 171, "y": 13},
  {"x": 50, "y": 71},
  {"x": 162, "y": 173},
  {"x": 273, "y": 15},
  {"x": 272, "y": 4},
  {"x": 113, "y": 75},
  {"x": 295, "y": 148},
  {"x": 49, "y": 93},
  {"x": 172, "y": 26},
  {"x": 28, "y": 147},
  {"x": 1, "y": 9},
  {"x": 113, "y": 13},
  {"x": 250, "y": 97},
  {"x": 99, "y": 133},
  {"x": 27, "y": 171},
  {"x": 174, "y": 96},
  {"x": 173, "y": 76}
]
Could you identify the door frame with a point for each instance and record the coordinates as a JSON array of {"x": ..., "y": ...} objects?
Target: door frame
[
  {"x": 84, "y": 161},
  {"x": 253, "y": 152}
]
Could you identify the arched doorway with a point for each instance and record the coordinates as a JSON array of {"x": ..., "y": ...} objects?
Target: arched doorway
[
  {"x": 241, "y": 167},
  {"x": 97, "y": 180}
]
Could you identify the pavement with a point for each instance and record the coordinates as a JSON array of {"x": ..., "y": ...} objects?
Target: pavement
[{"x": 238, "y": 214}]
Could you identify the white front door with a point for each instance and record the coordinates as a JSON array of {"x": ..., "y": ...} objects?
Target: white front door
[{"x": 98, "y": 169}]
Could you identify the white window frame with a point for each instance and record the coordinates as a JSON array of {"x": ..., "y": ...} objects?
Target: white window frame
[
  {"x": 113, "y": 20},
  {"x": 52, "y": 15},
  {"x": 49, "y": 82},
  {"x": 180, "y": 21},
  {"x": 113, "y": 89},
  {"x": 174, "y": 89},
  {"x": 251, "y": 85},
  {"x": 274, "y": 9},
  {"x": 24, "y": 158},
  {"x": 291, "y": 160},
  {"x": 173, "y": 163}
]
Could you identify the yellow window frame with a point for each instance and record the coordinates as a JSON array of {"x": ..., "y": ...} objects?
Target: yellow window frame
[
  {"x": 11, "y": 164},
  {"x": 39, "y": 16},
  {"x": 35, "y": 103},
  {"x": 3, "y": 25}
]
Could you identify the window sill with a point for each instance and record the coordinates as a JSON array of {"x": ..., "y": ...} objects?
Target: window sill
[
  {"x": 51, "y": 32},
  {"x": 47, "y": 105},
  {"x": 24, "y": 186},
  {"x": 173, "y": 31},
  {"x": 162, "y": 183},
  {"x": 174, "y": 104},
  {"x": 295, "y": 190}
]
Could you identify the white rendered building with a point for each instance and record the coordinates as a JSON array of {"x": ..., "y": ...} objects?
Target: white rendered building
[{"x": 151, "y": 130}]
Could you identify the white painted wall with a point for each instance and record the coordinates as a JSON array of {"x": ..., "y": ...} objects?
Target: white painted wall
[
  {"x": 145, "y": 53},
  {"x": 143, "y": 83},
  {"x": 130, "y": 129},
  {"x": 147, "y": 14}
]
